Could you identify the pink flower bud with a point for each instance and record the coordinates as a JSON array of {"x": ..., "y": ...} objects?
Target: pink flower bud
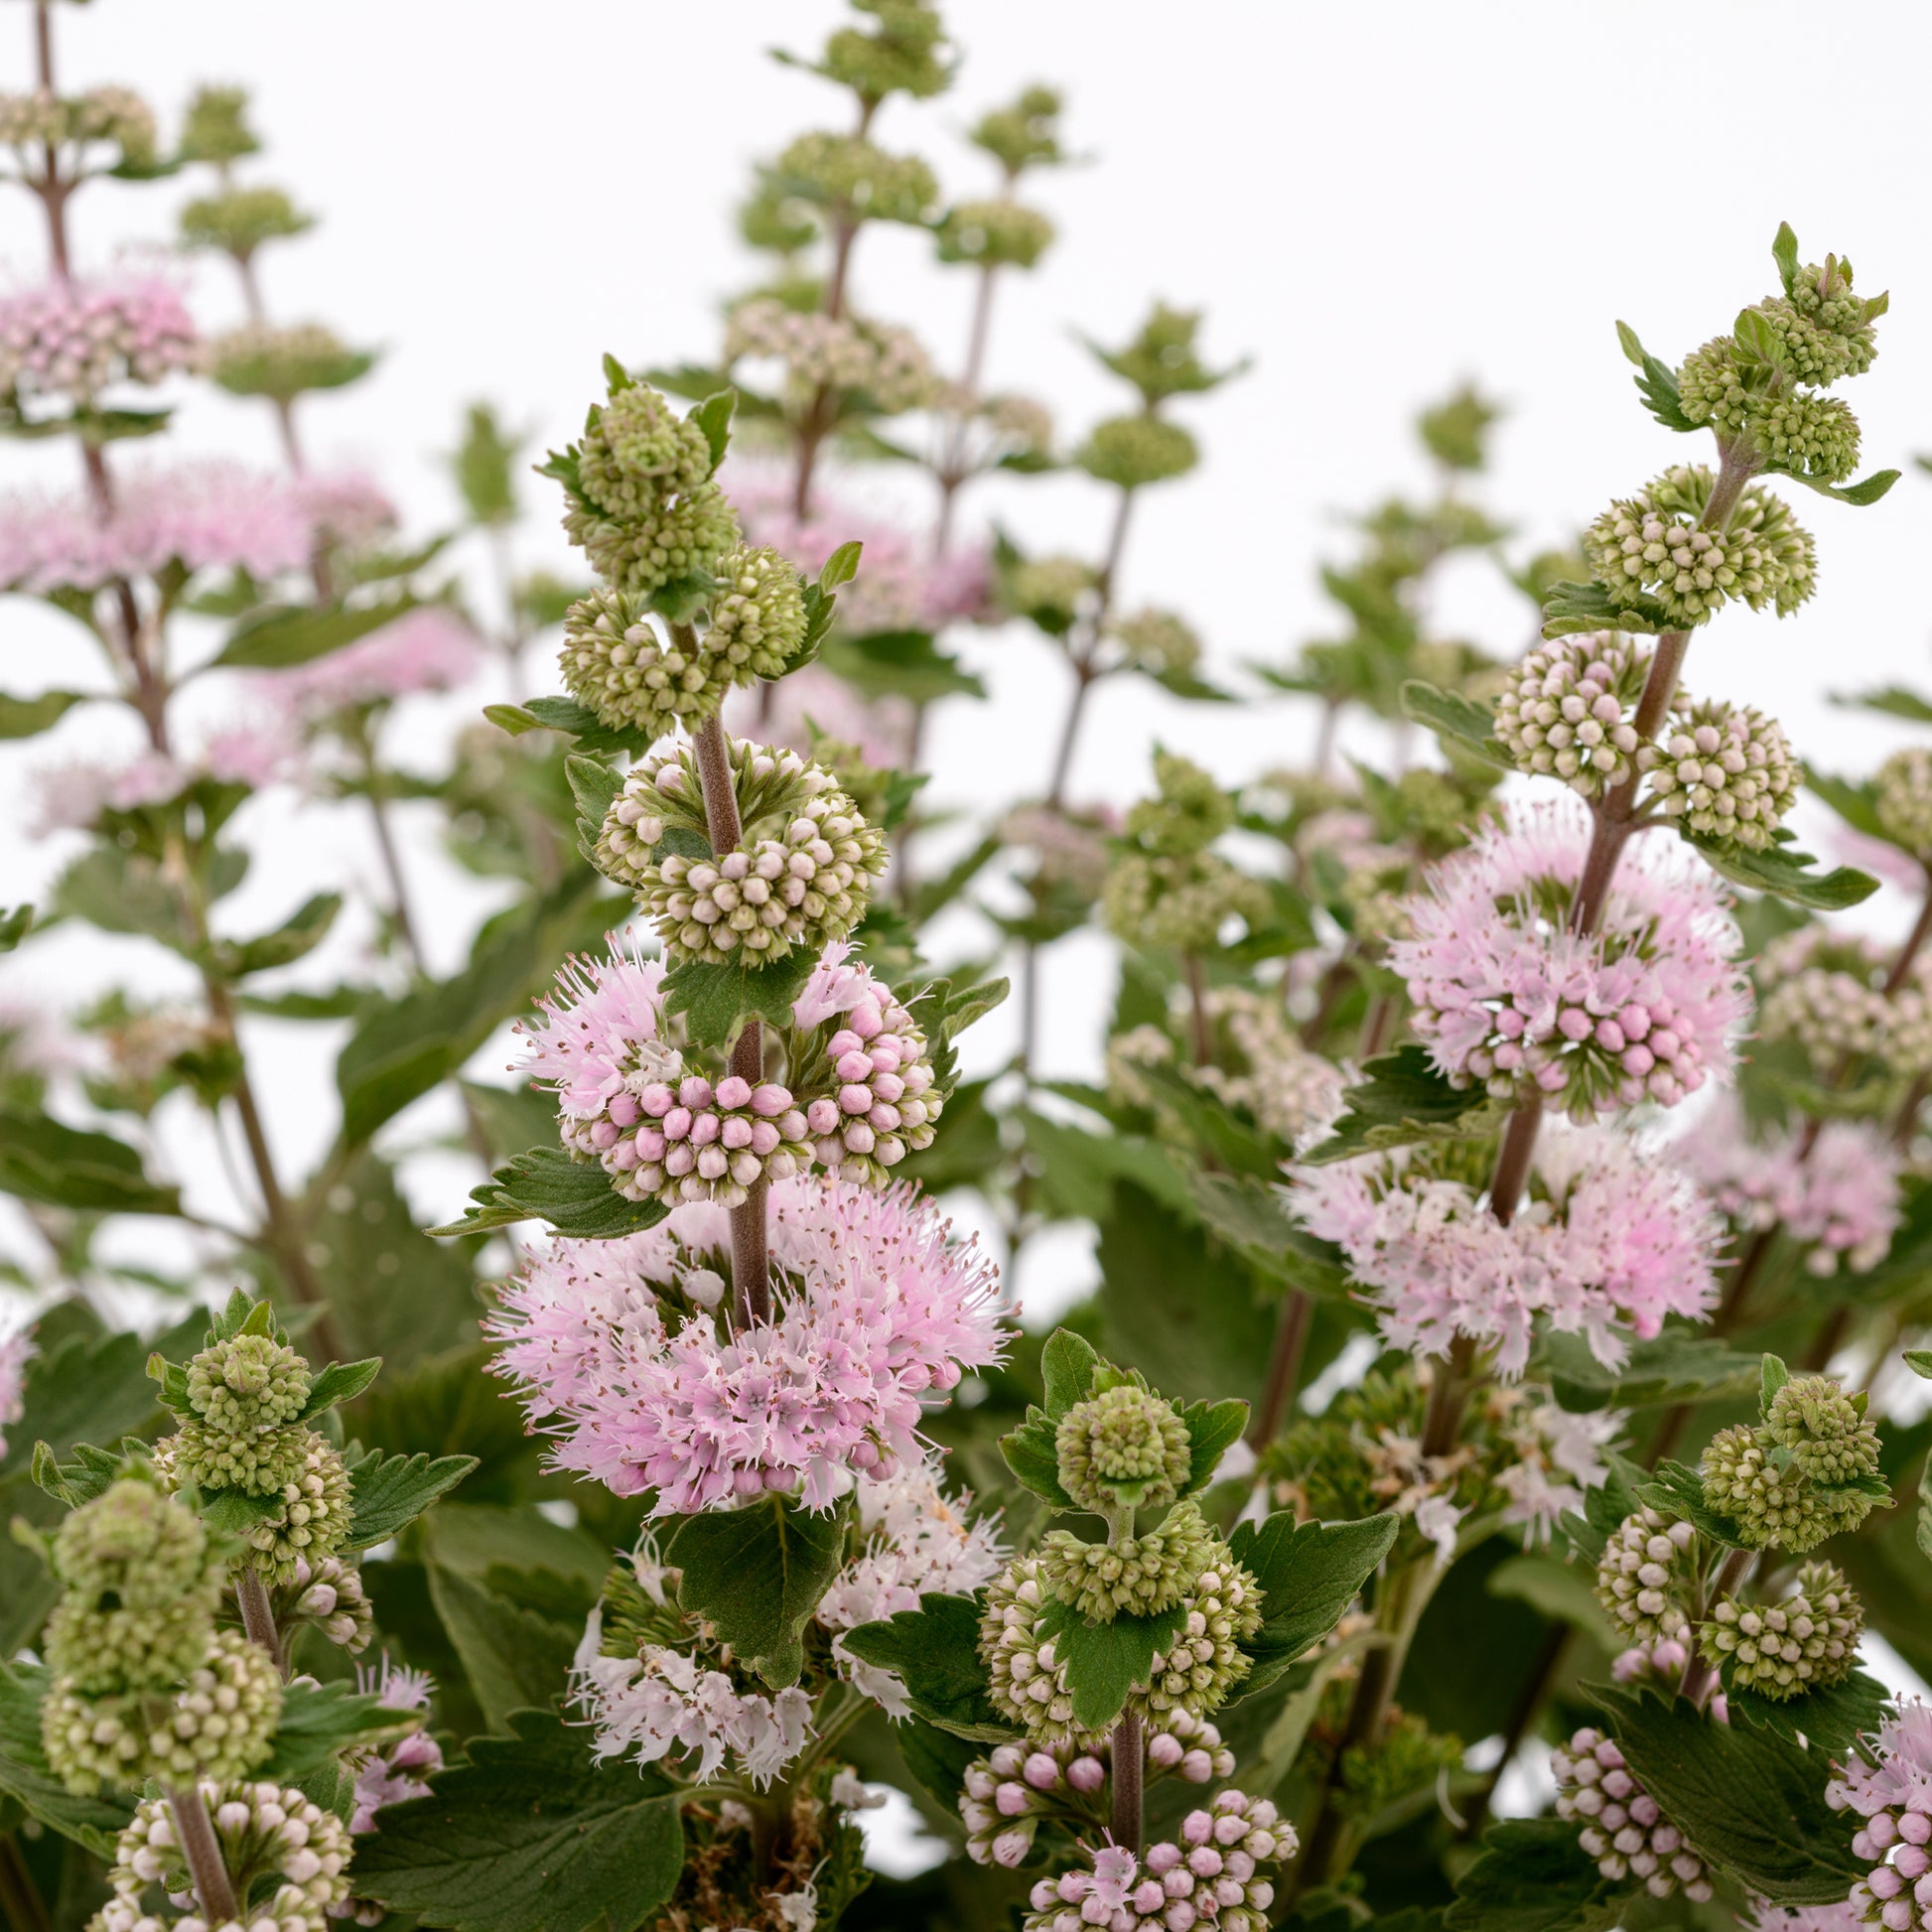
[{"x": 733, "y": 1091}]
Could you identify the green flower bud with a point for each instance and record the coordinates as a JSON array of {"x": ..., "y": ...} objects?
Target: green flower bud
[
  {"x": 1124, "y": 1448},
  {"x": 239, "y": 220},
  {"x": 1157, "y": 642},
  {"x": 859, "y": 181},
  {"x": 757, "y": 615},
  {"x": 998, "y": 233},
  {"x": 769, "y": 219},
  {"x": 313, "y": 1522},
  {"x": 258, "y": 360},
  {"x": 1180, "y": 904},
  {"x": 1904, "y": 801},
  {"x": 215, "y": 126},
  {"x": 1052, "y": 591},
  {"x": 1568, "y": 709},
  {"x": 1644, "y": 1576},
  {"x": 1770, "y": 1502},
  {"x": 1130, "y": 451},
  {"x": 1807, "y": 1642},
  {"x": 904, "y": 56},
  {"x": 1141, "y": 1575},
  {"x": 98, "y": 1651},
  {"x": 114, "y": 116},
  {"x": 1829, "y": 1437},
  {"x": 1725, "y": 770},
  {"x": 246, "y": 1383},
  {"x": 1188, "y": 812},
  {"x": 1821, "y": 318},
  {"x": 210, "y": 1458},
  {"x": 1024, "y": 135},
  {"x": 133, "y": 1547}
]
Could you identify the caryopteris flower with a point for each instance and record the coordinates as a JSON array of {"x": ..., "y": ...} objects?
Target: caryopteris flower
[
  {"x": 1830, "y": 1437},
  {"x": 1806, "y": 1641},
  {"x": 238, "y": 221},
  {"x": 398, "y": 1772},
  {"x": 1823, "y": 989},
  {"x": 1887, "y": 1781},
  {"x": 247, "y": 1382},
  {"x": 314, "y": 1519},
  {"x": 1506, "y": 993},
  {"x": 1725, "y": 770},
  {"x": 1132, "y": 451},
  {"x": 1771, "y": 1500},
  {"x": 113, "y": 117},
  {"x": 1567, "y": 710},
  {"x": 1623, "y": 1829},
  {"x": 1902, "y": 800},
  {"x": 74, "y": 338},
  {"x": 1645, "y": 1575},
  {"x": 1123, "y": 1448}
]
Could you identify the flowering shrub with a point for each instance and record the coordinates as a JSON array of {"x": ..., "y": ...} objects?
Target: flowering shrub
[{"x": 1505, "y": 1172}]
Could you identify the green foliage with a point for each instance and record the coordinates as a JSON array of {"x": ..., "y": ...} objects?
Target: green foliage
[
  {"x": 25, "y": 1777},
  {"x": 280, "y": 639},
  {"x": 935, "y": 1652},
  {"x": 1671, "y": 1369},
  {"x": 1785, "y": 874},
  {"x": 1104, "y": 1661},
  {"x": 574, "y": 1198},
  {"x": 28, "y": 716},
  {"x": 390, "y": 1491},
  {"x": 1310, "y": 1573},
  {"x": 63, "y": 1167},
  {"x": 715, "y": 998},
  {"x": 1532, "y": 1877},
  {"x": 319, "y": 1722},
  {"x": 1460, "y": 722},
  {"x": 1403, "y": 1101}
]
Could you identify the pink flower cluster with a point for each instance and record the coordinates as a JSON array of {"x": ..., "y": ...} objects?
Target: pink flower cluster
[
  {"x": 876, "y": 1306},
  {"x": 1558, "y": 1458},
  {"x": 626, "y": 1101},
  {"x": 662, "y": 1702},
  {"x": 74, "y": 338},
  {"x": 73, "y": 796},
  {"x": 427, "y": 649},
  {"x": 16, "y": 1351},
  {"x": 1624, "y": 1829},
  {"x": 877, "y": 1066},
  {"x": 399, "y": 1770},
  {"x": 1612, "y": 1241},
  {"x": 1890, "y": 1786},
  {"x": 1842, "y": 1199},
  {"x": 1507, "y": 995},
  {"x": 1216, "y": 1875}
]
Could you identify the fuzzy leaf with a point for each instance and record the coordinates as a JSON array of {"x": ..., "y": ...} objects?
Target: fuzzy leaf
[
  {"x": 841, "y": 567},
  {"x": 901, "y": 664},
  {"x": 714, "y": 417},
  {"x": 1919, "y": 1361},
  {"x": 1402, "y": 1100},
  {"x": 1066, "y": 1363},
  {"x": 935, "y": 1652},
  {"x": 388, "y": 1492},
  {"x": 714, "y": 998},
  {"x": 297, "y": 936},
  {"x": 1531, "y": 1877},
  {"x": 1656, "y": 382},
  {"x": 577, "y": 721},
  {"x": 1894, "y": 701},
  {"x": 318, "y": 1719},
  {"x": 1468, "y": 725},
  {"x": 339, "y": 1382},
  {"x": 532, "y": 1835},
  {"x": 1784, "y": 251},
  {"x": 595, "y": 787},
  {"x": 88, "y": 1475},
  {"x": 1856, "y": 804},
  {"x": 234, "y": 1512},
  {"x": 281, "y": 638},
  {"x": 1213, "y": 1429},
  {"x": 1785, "y": 874},
  {"x": 1671, "y": 1369},
  {"x": 1831, "y": 1718},
  {"x": 1310, "y": 1573},
  {"x": 1861, "y": 494},
  {"x": 1031, "y": 1456},
  {"x": 1772, "y": 1377},
  {"x": 575, "y": 1198},
  {"x": 1105, "y": 1661},
  {"x": 516, "y": 1658},
  {"x": 1569, "y": 609},
  {"x": 758, "y": 1574}
]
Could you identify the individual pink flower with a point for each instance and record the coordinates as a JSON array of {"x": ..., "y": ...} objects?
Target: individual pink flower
[
  {"x": 624, "y": 1361},
  {"x": 16, "y": 1351},
  {"x": 1888, "y": 1783},
  {"x": 1842, "y": 1917},
  {"x": 74, "y": 338},
  {"x": 1506, "y": 995},
  {"x": 429, "y": 648},
  {"x": 398, "y": 1772},
  {"x": 1612, "y": 1241}
]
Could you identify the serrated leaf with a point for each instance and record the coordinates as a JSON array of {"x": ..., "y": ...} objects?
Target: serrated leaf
[
  {"x": 1861, "y": 494},
  {"x": 1310, "y": 1573},
  {"x": 515, "y": 1659},
  {"x": 1894, "y": 701},
  {"x": 388, "y": 1492},
  {"x": 1829, "y": 1717},
  {"x": 63, "y": 1167},
  {"x": 26, "y": 1777},
  {"x": 1784, "y": 873},
  {"x": 1749, "y": 1803},
  {"x": 1402, "y": 1100},
  {"x": 595, "y": 787},
  {"x": 278, "y": 639},
  {"x": 532, "y": 1835},
  {"x": 714, "y": 417},
  {"x": 935, "y": 1652},
  {"x": 1570, "y": 609},
  {"x": 234, "y": 1512},
  {"x": 579, "y": 722},
  {"x": 1031, "y": 1456},
  {"x": 1066, "y": 1364},
  {"x": 1758, "y": 341},
  {"x": 1104, "y": 1662},
  {"x": 88, "y": 1475},
  {"x": 1530, "y": 1877},
  {"x": 715, "y": 998},
  {"x": 1212, "y": 1429},
  {"x": 339, "y": 1382},
  {"x": 28, "y": 716},
  {"x": 1673, "y": 1369},
  {"x": 320, "y": 1720},
  {"x": 1679, "y": 1491},
  {"x": 1656, "y": 383},
  {"x": 905, "y": 664},
  {"x": 1468, "y": 725},
  {"x": 758, "y": 1574},
  {"x": 575, "y": 1198}
]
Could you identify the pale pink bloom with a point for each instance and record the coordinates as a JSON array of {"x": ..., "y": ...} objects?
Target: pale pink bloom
[
  {"x": 813, "y": 699},
  {"x": 876, "y": 1305},
  {"x": 1845, "y": 1917},
  {"x": 74, "y": 338},
  {"x": 1557, "y": 1461},
  {"x": 16, "y": 1351},
  {"x": 345, "y": 508},
  {"x": 73, "y": 796},
  {"x": 426, "y": 650},
  {"x": 1887, "y": 1781},
  {"x": 254, "y": 751},
  {"x": 662, "y": 1702},
  {"x": 1435, "y": 1520},
  {"x": 399, "y": 1771},
  {"x": 1612, "y": 1241},
  {"x": 1506, "y": 995},
  {"x": 203, "y": 516}
]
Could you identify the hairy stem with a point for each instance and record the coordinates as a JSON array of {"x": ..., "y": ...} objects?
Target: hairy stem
[
  {"x": 1128, "y": 1770},
  {"x": 1283, "y": 1368},
  {"x": 1699, "y": 1674},
  {"x": 257, "y": 1618},
  {"x": 195, "y": 1832},
  {"x": 1201, "y": 1029}
]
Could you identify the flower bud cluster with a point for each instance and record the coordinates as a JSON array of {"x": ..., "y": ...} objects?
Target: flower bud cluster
[
  {"x": 1822, "y": 990},
  {"x": 1825, "y": 330},
  {"x": 1157, "y": 642},
  {"x": 1888, "y": 1783},
  {"x": 861, "y": 182},
  {"x": 1810, "y": 435},
  {"x": 1625, "y": 1831},
  {"x": 215, "y": 127},
  {"x": 1124, "y": 1448},
  {"x": 313, "y": 1522},
  {"x": 248, "y": 1383},
  {"x": 1132, "y": 451},
  {"x": 281, "y": 361},
  {"x": 1567, "y": 710},
  {"x": 905, "y": 54},
  {"x": 998, "y": 233},
  {"x": 842, "y": 353},
  {"x": 115, "y": 116},
  {"x": 1219, "y": 1874},
  {"x": 1141, "y": 1575},
  {"x": 1180, "y": 904},
  {"x": 1054, "y": 589},
  {"x": 287, "y": 1858},
  {"x": 1781, "y": 1650},
  {"x": 1652, "y": 546},
  {"x": 329, "y": 1594},
  {"x": 1772, "y": 1500},
  {"x": 642, "y": 507},
  {"x": 1642, "y": 1575},
  {"x": 1830, "y": 1436},
  {"x": 1902, "y": 800},
  {"x": 238, "y": 221},
  {"x": 74, "y": 338},
  {"x": 692, "y": 1141},
  {"x": 1726, "y": 771}
]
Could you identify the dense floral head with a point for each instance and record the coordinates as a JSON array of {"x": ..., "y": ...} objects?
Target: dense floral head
[
  {"x": 1624, "y": 1830},
  {"x": 74, "y": 338},
  {"x": 1888, "y": 1783},
  {"x": 1506, "y": 994},
  {"x": 428, "y": 649}
]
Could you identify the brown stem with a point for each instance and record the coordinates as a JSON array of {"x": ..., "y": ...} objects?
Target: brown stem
[
  {"x": 20, "y": 1897},
  {"x": 1283, "y": 1368},
  {"x": 258, "y": 1618},
  {"x": 1513, "y": 1160},
  {"x": 1128, "y": 1770},
  {"x": 1200, "y": 1028},
  {"x": 1909, "y": 953},
  {"x": 1699, "y": 1674},
  {"x": 1085, "y": 668},
  {"x": 952, "y": 464},
  {"x": 358, "y": 732},
  {"x": 194, "y": 1833},
  {"x": 1448, "y": 1396},
  {"x": 1826, "y": 1343}
]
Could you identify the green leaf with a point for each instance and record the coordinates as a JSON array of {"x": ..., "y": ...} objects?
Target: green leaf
[
  {"x": 596, "y": 789},
  {"x": 1068, "y": 1364},
  {"x": 298, "y": 935},
  {"x": 388, "y": 1492},
  {"x": 1785, "y": 874},
  {"x": 1784, "y": 251},
  {"x": 1679, "y": 1491},
  {"x": 62, "y": 1166},
  {"x": 714, "y": 417},
  {"x": 1861, "y": 494},
  {"x": 1894, "y": 701},
  {"x": 532, "y": 1835},
  {"x": 1559, "y": 1591},
  {"x": 1919, "y": 1361},
  {"x": 1758, "y": 341},
  {"x": 339, "y": 1382},
  {"x": 1856, "y": 804},
  {"x": 935, "y": 1652},
  {"x": 1468, "y": 725},
  {"x": 1105, "y": 1661},
  {"x": 28, "y": 716},
  {"x": 1531, "y": 1877},
  {"x": 1310, "y": 1573},
  {"x": 758, "y": 1574},
  {"x": 1656, "y": 383},
  {"x": 1923, "y": 1526},
  {"x": 1671, "y": 1369},
  {"x": 1249, "y": 1216},
  {"x": 318, "y": 1719},
  {"x": 1772, "y": 1377},
  {"x": 841, "y": 567},
  {"x": 1213, "y": 1429},
  {"x": 1403, "y": 1100},
  {"x": 575, "y": 1198},
  {"x": 88, "y": 1475},
  {"x": 577, "y": 721},
  {"x": 714, "y": 998},
  {"x": 1831, "y": 1718},
  {"x": 1569, "y": 609},
  {"x": 234, "y": 1512},
  {"x": 901, "y": 664},
  {"x": 1749, "y": 1803},
  {"x": 514, "y": 1658},
  {"x": 15, "y": 924},
  {"x": 26, "y": 1778},
  {"x": 1030, "y": 1454},
  {"x": 281, "y": 638}
]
